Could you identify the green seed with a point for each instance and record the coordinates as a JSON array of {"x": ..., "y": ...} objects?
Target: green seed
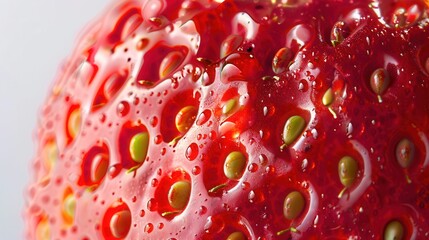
[
  {"x": 236, "y": 236},
  {"x": 230, "y": 106},
  {"x": 394, "y": 231},
  {"x": 185, "y": 118},
  {"x": 328, "y": 97},
  {"x": 347, "y": 171},
  {"x": 234, "y": 166},
  {"x": 293, "y": 205},
  {"x": 292, "y": 129},
  {"x": 379, "y": 82},
  {"x": 178, "y": 195},
  {"x": 74, "y": 123},
  {"x": 138, "y": 146},
  {"x": 405, "y": 151}
]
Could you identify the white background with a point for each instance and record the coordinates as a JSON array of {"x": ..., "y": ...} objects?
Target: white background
[{"x": 35, "y": 35}]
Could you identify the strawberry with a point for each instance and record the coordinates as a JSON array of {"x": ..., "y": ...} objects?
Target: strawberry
[{"x": 238, "y": 120}]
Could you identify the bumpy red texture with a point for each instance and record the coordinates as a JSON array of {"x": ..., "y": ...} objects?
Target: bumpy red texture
[{"x": 238, "y": 120}]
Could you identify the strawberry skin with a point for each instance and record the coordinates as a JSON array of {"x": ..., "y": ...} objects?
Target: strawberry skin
[{"x": 238, "y": 120}]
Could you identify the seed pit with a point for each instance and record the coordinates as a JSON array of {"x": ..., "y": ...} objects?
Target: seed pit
[
  {"x": 174, "y": 190},
  {"x": 234, "y": 157},
  {"x": 133, "y": 145},
  {"x": 73, "y": 123},
  {"x": 116, "y": 221},
  {"x": 160, "y": 62},
  {"x": 109, "y": 88},
  {"x": 94, "y": 166},
  {"x": 178, "y": 116}
]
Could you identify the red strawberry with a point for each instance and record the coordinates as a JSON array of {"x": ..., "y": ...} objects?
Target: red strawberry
[{"x": 239, "y": 120}]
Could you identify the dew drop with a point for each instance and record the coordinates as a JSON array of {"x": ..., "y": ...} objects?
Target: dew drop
[
  {"x": 253, "y": 167},
  {"x": 123, "y": 108},
  {"x": 148, "y": 228},
  {"x": 114, "y": 170},
  {"x": 202, "y": 210},
  {"x": 203, "y": 117},
  {"x": 263, "y": 160},
  {"x": 152, "y": 205},
  {"x": 142, "y": 213},
  {"x": 192, "y": 152},
  {"x": 196, "y": 170},
  {"x": 153, "y": 121}
]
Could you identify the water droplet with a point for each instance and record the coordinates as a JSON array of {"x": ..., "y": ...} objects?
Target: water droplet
[
  {"x": 160, "y": 225},
  {"x": 230, "y": 44},
  {"x": 253, "y": 167},
  {"x": 154, "y": 182},
  {"x": 123, "y": 108},
  {"x": 158, "y": 139},
  {"x": 114, "y": 170},
  {"x": 196, "y": 170},
  {"x": 152, "y": 205},
  {"x": 202, "y": 210},
  {"x": 203, "y": 117},
  {"x": 192, "y": 151},
  {"x": 153, "y": 121},
  {"x": 256, "y": 196},
  {"x": 263, "y": 160},
  {"x": 142, "y": 213},
  {"x": 303, "y": 85},
  {"x": 148, "y": 228},
  {"x": 171, "y": 63}
]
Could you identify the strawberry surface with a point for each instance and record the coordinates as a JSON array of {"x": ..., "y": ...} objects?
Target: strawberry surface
[{"x": 238, "y": 120}]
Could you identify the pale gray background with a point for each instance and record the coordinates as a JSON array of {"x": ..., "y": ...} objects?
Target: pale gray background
[{"x": 35, "y": 35}]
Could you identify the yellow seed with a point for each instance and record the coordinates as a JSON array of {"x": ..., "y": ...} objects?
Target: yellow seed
[
  {"x": 69, "y": 207},
  {"x": 294, "y": 126},
  {"x": 347, "y": 171},
  {"x": 328, "y": 97},
  {"x": 405, "y": 151},
  {"x": 236, "y": 236},
  {"x": 379, "y": 82},
  {"x": 229, "y": 106},
  {"x": 185, "y": 118},
  {"x": 293, "y": 205},
  {"x": 394, "y": 231},
  {"x": 74, "y": 123},
  {"x": 138, "y": 146},
  {"x": 43, "y": 230},
  {"x": 178, "y": 195},
  {"x": 234, "y": 166}
]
